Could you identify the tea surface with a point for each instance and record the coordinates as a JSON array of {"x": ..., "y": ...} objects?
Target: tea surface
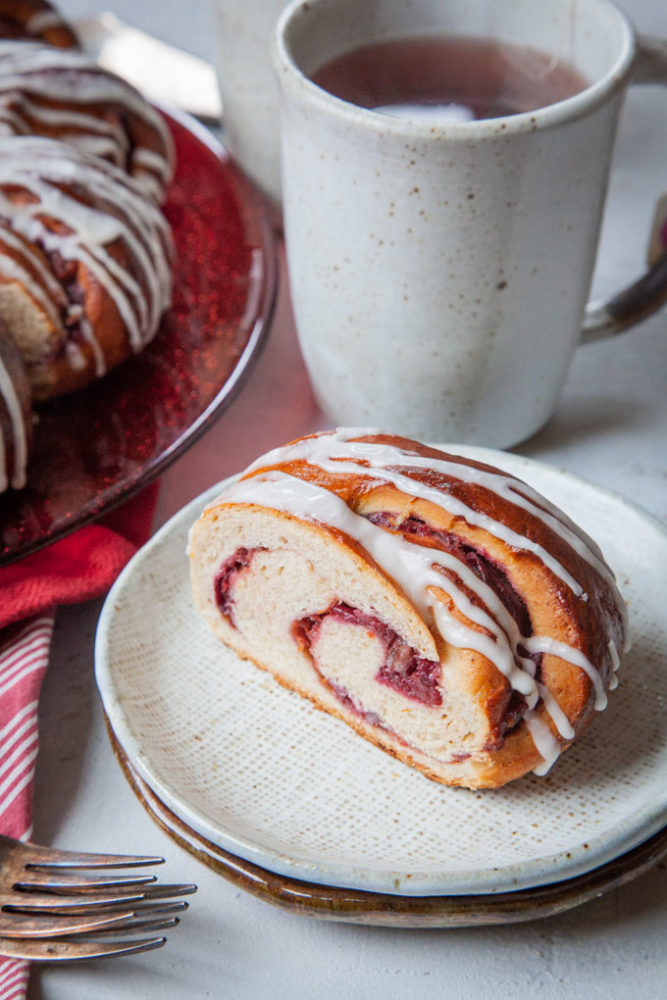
[{"x": 449, "y": 78}]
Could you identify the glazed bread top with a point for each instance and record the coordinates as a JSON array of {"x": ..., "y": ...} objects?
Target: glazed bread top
[{"x": 64, "y": 94}]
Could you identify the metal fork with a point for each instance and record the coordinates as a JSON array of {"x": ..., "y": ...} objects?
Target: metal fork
[{"x": 51, "y": 912}]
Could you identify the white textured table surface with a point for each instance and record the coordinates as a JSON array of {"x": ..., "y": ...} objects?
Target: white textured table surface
[{"x": 611, "y": 428}]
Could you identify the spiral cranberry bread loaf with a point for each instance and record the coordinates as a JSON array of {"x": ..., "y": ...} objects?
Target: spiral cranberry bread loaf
[
  {"x": 439, "y": 606},
  {"x": 85, "y": 270},
  {"x": 37, "y": 20},
  {"x": 15, "y": 414},
  {"x": 64, "y": 94}
]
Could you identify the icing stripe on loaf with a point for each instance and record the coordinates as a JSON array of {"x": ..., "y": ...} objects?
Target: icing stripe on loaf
[{"x": 336, "y": 452}]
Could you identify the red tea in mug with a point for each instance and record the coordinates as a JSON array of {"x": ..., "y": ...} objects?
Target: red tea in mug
[{"x": 449, "y": 78}]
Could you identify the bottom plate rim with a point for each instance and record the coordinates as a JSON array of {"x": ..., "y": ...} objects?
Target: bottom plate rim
[{"x": 337, "y": 903}]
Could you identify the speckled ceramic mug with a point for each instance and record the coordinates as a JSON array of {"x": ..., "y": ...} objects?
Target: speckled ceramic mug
[{"x": 440, "y": 271}]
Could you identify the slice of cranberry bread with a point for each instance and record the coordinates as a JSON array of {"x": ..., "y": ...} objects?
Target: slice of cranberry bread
[{"x": 439, "y": 606}]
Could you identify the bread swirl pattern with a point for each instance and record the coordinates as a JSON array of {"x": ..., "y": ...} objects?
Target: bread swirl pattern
[{"x": 443, "y": 609}]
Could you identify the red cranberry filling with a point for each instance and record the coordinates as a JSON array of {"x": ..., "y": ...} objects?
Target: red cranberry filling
[
  {"x": 403, "y": 669},
  {"x": 226, "y": 577}
]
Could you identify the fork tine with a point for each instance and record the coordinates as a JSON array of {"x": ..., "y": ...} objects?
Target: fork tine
[
  {"x": 142, "y": 924},
  {"x": 82, "y": 883},
  {"x": 168, "y": 906},
  {"x": 38, "y": 902},
  {"x": 158, "y": 890},
  {"x": 63, "y": 903},
  {"x": 64, "y": 950},
  {"x": 30, "y": 855},
  {"x": 48, "y": 857},
  {"x": 51, "y": 912},
  {"x": 42, "y": 905},
  {"x": 54, "y": 924},
  {"x": 19, "y": 925},
  {"x": 139, "y": 909}
]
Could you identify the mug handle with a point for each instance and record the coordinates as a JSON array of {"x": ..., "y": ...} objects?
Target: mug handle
[{"x": 649, "y": 292}]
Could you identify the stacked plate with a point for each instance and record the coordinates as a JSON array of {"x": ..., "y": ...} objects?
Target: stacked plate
[{"x": 291, "y": 805}]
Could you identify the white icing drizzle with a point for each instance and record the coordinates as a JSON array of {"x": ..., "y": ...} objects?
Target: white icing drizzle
[
  {"x": 115, "y": 209},
  {"x": 545, "y": 742},
  {"x": 615, "y": 664},
  {"x": 36, "y": 75},
  {"x": 417, "y": 570},
  {"x": 88, "y": 335},
  {"x": 17, "y": 475},
  {"x": 67, "y": 74},
  {"x": 544, "y": 644},
  {"x": 329, "y": 452},
  {"x": 55, "y": 116},
  {"x": 35, "y": 262},
  {"x": 42, "y": 20},
  {"x": 152, "y": 161},
  {"x": 558, "y": 716},
  {"x": 113, "y": 276},
  {"x": 75, "y": 356}
]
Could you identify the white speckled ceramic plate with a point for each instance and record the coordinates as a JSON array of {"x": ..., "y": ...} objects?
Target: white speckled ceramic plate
[{"x": 259, "y": 772}]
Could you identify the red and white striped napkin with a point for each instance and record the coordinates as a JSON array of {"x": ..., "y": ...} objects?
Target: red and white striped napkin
[
  {"x": 77, "y": 568},
  {"x": 24, "y": 655}
]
